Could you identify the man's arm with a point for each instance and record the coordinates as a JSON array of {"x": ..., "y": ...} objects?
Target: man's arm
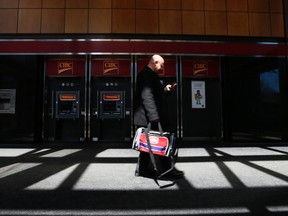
[{"x": 149, "y": 104}]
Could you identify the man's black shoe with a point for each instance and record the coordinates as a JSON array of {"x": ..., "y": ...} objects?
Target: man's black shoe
[
  {"x": 179, "y": 172},
  {"x": 174, "y": 174}
]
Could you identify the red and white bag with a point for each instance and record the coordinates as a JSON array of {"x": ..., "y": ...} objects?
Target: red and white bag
[{"x": 162, "y": 143}]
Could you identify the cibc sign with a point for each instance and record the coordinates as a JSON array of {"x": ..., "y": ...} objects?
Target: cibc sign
[
  {"x": 110, "y": 68},
  {"x": 65, "y": 67},
  {"x": 200, "y": 68}
]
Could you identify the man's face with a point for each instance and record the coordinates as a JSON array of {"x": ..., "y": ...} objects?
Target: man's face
[{"x": 159, "y": 65}]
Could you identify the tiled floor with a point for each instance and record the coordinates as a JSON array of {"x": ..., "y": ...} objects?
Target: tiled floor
[{"x": 101, "y": 181}]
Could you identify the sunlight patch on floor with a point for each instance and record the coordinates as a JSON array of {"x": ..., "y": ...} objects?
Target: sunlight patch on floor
[
  {"x": 14, "y": 152},
  {"x": 16, "y": 168},
  {"x": 61, "y": 153},
  {"x": 253, "y": 177},
  {"x": 198, "y": 211}
]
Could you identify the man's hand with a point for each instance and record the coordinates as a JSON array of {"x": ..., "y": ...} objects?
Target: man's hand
[{"x": 170, "y": 87}]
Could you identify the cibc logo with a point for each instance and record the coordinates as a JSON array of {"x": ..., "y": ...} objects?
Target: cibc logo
[
  {"x": 110, "y": 67},
  {"x": 200, "y": 68},
  {"x": 64, "y": 66}
]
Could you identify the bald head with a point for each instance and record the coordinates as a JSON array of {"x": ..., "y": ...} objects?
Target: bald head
[{"x": 156, "y": 63}]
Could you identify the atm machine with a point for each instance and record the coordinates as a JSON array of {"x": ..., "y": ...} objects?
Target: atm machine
[
  {"x": 110, "y": 101},
  {"x": 64, "y": 108}
]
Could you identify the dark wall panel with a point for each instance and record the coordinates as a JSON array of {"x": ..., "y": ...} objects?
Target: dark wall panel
[{"x": 20, "y": 74}]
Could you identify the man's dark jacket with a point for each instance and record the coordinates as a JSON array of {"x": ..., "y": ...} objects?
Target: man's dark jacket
[{"x": 149, "y": 101}]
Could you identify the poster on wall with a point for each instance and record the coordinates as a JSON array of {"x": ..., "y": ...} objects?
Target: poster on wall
[{"x": 198, "y": 94}]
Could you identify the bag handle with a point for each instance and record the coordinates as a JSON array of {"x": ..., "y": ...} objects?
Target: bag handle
[
  {"x": 150, "y": 150},
  {"x": 159, "y": 127},
  {"x": 152, "y": 157},
  {"x": 149, "y": 146},
  {"x": 147, "y": 130}
]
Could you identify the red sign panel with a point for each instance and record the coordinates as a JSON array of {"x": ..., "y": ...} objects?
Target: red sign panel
[
  {"x": 111, "y": 67},
  {"x": 200, "y": 68},
  {"x": 169, "y": 69},
  {"x": 65, "y": 68}
]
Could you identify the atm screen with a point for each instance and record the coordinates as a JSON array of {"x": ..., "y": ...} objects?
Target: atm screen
[
  {"x": 111, "y": 96},
  {"x": 67, "y": 97},
  {"x": 5, "y": 104},
  {"x": 4, "y": 101}
]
